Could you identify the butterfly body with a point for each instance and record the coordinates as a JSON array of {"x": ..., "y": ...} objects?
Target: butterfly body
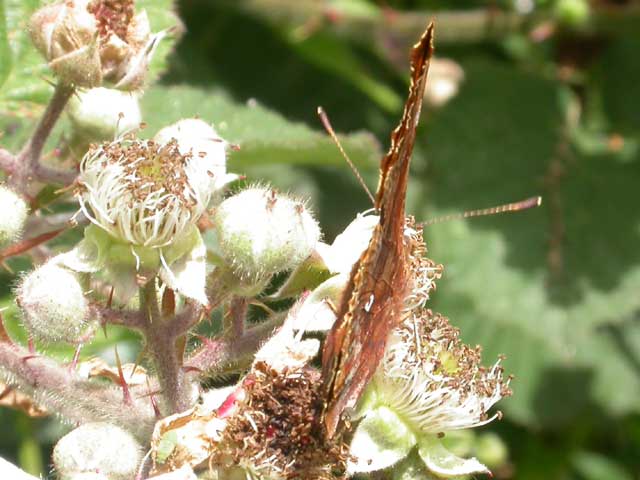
[{"x": 372, "y": 302}]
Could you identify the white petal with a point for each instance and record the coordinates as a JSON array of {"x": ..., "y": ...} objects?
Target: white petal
[
  {"x": 318, "y": 311},
  {"x": 443, "y": 463},
  {"x": 188, "y": 274},
  {"x": 349, "y": 245},
  {"x": 381, "y": 440}
]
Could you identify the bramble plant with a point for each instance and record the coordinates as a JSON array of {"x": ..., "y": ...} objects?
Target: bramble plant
[{"x": 169, "y": 239}]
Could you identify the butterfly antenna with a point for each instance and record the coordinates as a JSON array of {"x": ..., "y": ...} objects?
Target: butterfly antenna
[
  {"x": 509, "y": 207},
  {"x": 327, "y": 126}
]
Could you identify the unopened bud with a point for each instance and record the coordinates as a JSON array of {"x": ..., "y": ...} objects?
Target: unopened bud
[
  {"x": 103, "y": 113},
  {"x": 261, "y": 232},
  {"x": 13, "y": 213},
  {"x": 53, "y": 304},
  {"x": 97, "y": 447},
  {"x": 66, "y": 35}
]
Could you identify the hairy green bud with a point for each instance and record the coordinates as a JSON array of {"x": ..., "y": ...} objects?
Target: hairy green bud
[
  {"x": 103, "y": 113},
  {"x": 97, "y": 447},
  {"x": 13, "y": 213},
  {"x": 53, "y": 304},
  {"x": 261, "y": 232}
]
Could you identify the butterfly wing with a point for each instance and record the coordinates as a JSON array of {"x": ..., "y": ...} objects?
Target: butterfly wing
[{"x": 373, "y": 299}]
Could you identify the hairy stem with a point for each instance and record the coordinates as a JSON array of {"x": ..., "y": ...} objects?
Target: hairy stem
[
  {"x": 130, "y": 319},
  {"x": 161, "y": 343},
  {"x": 225, "y": 355},
  {"x": 60, "y": 390},
  {"x": 236, "y": 317},
  {"x": 27, "y": 165}
]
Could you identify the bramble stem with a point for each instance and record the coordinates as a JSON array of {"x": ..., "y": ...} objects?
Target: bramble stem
[
  {"x": 222, "y": 355},
  {"x": 78, "y": 400},
  {"x": 27, "y": 165},
  {"x": 161, "y": 343},
  {"x": 238, "y": 308}
]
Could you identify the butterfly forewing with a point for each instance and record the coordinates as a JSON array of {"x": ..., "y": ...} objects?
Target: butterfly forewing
[{"x": 372, "y": 302}]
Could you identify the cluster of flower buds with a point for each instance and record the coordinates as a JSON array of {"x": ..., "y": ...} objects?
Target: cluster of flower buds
[{"x": 87, "y": 42}]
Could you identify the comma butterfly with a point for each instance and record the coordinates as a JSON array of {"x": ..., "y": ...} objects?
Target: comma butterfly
[{"x": 373, "y": 299}]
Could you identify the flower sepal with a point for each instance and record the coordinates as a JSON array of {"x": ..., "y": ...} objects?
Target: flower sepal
[
  {"x": 381, "y": 440},
  {"x": 181, "y": 265},
  {"x": 445, "y": 464}
]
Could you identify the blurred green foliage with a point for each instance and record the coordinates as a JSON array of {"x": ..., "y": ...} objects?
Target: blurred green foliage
[{"x": 549, "y": 105}]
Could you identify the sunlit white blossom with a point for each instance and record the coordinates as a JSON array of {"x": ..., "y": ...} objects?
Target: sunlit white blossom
[{"x": 143, "y": 192}]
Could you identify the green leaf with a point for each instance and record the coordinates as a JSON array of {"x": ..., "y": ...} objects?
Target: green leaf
[
  {"x": 21, "y": 76},
  {"x": 335, "y": 56},
  {"x": 540, "y": 286},
  {"x": 263, "y": 135}
]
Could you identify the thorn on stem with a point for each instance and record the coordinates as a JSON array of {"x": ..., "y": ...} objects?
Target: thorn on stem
[
  {"x": 126, "y": 394},
  {"x": 76, "y": 357}
]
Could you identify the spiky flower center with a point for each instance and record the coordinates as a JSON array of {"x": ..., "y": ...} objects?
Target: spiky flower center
[
  {"x": 142, "y": 192},
  {"x": 428, "y": 375}
]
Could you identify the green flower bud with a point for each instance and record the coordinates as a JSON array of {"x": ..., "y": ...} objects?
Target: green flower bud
[
  {"x": 97, "y": 447},
  {"x": 103, "y": 114},
  {"x": 53, "y": 304},
  {"x": 261, "y": 232},
  {"x": 13, "y": 213}
]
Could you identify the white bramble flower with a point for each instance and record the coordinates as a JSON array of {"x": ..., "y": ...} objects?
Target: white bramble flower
[
  {"x": 428, "y": 383},
  {"x": 13, "y": 214},
  {"x": 144, "y": 198},
  {"x": 143, "y": 192}
]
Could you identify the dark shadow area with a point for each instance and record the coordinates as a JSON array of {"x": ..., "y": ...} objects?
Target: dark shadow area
[
  {"x": 263, "y": 66},
  {"x": 563, "y": 395}
]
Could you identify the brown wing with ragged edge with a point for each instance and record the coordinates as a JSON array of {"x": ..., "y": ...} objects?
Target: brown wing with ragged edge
[{"x": 373, "y": 299}]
